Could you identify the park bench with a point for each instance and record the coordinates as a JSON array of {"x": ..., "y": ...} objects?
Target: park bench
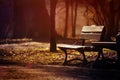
[
  {"x": 114, "y": 45},
  {"x": 92, "y": 33},
  {"x": 87, "y": 32}
]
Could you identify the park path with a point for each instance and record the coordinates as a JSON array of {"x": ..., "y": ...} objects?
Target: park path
[{"x": 55, "y": 72}]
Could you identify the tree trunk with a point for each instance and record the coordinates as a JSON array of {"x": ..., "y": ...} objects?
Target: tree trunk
[
  {"x": 6, "y": 18},
  {"x": 66, "y": 20},
  {"x": 74, "y": 19},
  {"x": 19, "y": 27},
  {"x": 53, "y": 33}
]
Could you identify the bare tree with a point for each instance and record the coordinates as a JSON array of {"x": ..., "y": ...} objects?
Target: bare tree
[
  {"x": 74, "y": 17},
  {"x": 53, "y": 33},
  {"x": 29, "y": 18},
  {"x": 6, "y": 18},
  {"x": 70, "y": 21},
  {"x": 19, "y": 26},
  {"x": 105, "y": 12},
  {"x": 66, "y": 20}
]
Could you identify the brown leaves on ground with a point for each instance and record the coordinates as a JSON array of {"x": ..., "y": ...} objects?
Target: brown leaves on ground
[
  {"x": 31, "y": 52},
  {"x": 38, "y": 53}
]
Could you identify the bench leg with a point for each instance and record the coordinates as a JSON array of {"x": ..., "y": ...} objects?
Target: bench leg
[
  {"x": 79, "y": 50},
  {"x": 100, "y": 53},
  {"x": 65, "y": 61},
  {"x": 84, "y": 57}
]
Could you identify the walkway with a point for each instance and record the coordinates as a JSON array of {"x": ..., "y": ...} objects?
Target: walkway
[{"x": 55, "y": 72}]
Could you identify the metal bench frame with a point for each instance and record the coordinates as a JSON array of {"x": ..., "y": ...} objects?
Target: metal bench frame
[{"x": 81, "y": 49}]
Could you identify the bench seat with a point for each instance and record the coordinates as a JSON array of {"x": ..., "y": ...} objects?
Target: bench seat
[{"x": 80, "y": 49}]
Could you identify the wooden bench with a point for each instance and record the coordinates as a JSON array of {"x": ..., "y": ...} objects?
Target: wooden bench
[
  {"x": 100, "y": 45},
  {"x": 110, "y": 45},
  {"x": 88, "y": 32},
  {"x": 91, "y": 33}
]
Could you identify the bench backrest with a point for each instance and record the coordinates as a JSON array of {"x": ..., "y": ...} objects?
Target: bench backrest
[{"x": 91, "y": 32}]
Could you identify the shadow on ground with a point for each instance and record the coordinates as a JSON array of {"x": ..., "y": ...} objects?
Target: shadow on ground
[
  {"x": 100, "y": 71},
  {"x": 80, "y": 73}
]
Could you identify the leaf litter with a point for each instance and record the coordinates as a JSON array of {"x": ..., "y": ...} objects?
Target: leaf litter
[{"x": 39, "y": 53}]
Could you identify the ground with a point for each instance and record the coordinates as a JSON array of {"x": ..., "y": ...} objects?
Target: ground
[
  {"x": 55, "y": 72},
  {"x": 33, "y": 61}
]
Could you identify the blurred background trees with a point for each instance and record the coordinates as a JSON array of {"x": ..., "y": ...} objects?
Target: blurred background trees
[
  {"x": 32, "y": 19},
  {"x": 104, "y": 12}
]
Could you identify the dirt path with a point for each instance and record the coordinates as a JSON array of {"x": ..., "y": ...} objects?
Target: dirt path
[{"x": 55, "y": 72}]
